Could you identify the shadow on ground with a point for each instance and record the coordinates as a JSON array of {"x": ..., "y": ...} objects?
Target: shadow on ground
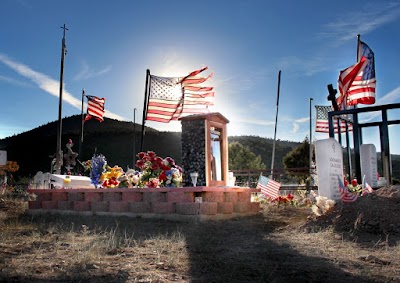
[{"x": 237, "y": 250}]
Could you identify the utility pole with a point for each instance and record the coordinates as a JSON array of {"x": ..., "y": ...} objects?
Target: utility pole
[{"x": 59, "y": 153}]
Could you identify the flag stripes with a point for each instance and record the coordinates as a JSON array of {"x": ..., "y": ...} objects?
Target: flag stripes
[
  {"x": 322, "y": 123},
  {"x": 357, "y": 83},
  {"x": 268, "y": 187},
  {"x": 95, "y": 108},
  {"x": 345, "y": 195},
  {"x": 172, "y": 97}
]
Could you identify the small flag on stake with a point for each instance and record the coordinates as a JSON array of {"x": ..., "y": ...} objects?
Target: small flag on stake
[
  {"x": 268, "y": 187},
  {"x": 345, "y": 195}
]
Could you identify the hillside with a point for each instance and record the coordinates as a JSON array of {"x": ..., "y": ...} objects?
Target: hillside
[
  {"x": 34, "y": 150},
  {"x": 263, "y": 147}
]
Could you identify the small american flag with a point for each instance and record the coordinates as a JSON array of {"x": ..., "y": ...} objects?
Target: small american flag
[
  {"x": 174, "y": 97},
  {"x": 366, "y": 188},
  {"x": 95, "y": 108},
  {"x": 357, "y": 83},
  {"x": 322, "y": 125},
  {"x": 345, "y": 194},
  {"x": 268, "y": 187}
]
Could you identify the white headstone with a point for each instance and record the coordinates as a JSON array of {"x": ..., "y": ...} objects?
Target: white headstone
[
  {"x": 38, "y": 180},
  {"x": 369, "y": 167},
  {"x": 3, "y": 157},
  {"x": 329, "y": 161}
]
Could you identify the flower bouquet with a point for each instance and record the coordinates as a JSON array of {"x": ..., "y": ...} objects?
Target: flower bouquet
[{"x": 158, "y": 172}]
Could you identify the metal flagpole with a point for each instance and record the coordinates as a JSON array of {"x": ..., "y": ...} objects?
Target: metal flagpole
[
  {"x": 310, "y": 157},
  {"x": 134, "y": 137},
  {"x": 59, "y": 153},
  {"x": 82, "y": 124},
  {"x": 356, "y": 133},
  {"x": 146, "y": 97},
  {"x": 276, "y": 122}
]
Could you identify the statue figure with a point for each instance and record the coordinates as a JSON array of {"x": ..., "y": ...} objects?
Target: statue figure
[{"x": 70, "y": 157}]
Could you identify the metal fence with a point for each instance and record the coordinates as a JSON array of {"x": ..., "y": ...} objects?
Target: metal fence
[{"x": 249, "y": 178}]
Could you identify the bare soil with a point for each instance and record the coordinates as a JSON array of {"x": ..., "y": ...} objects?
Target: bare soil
[{"x": 357, "y": 242}]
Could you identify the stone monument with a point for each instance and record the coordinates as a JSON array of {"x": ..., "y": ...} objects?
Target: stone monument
[
  {"x": 204, "y": 146},
  {"x": 329, "y": 161},
  {"x": 369, "y": 165}
]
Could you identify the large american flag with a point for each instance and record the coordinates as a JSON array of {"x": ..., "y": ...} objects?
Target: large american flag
[
  {"x": 321, "y": 123},
  {"x": 268, "y": 187},
  {"x": 172, "y": 98},
  {"x": 357, "y": 83},
  {"x": 95, "y": 108}
]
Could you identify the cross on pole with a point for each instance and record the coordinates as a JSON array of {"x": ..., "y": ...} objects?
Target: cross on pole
[{"x": 59, "y": 153}]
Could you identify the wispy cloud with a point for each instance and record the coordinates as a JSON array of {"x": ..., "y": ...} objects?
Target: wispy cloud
[
  {"x": 304, "y": 66},
  {"x": 87, "y": 72},
  {"x": 296, "y": 126},
  {"x": 13, "y": 81},
  {"x": 362, "y": 21},
  {"x": 389, "y": 98},
  {"x": 47, "y": 84}
]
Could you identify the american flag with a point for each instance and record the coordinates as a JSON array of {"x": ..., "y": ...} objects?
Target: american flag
[
  {"x": 345, "y": 194},
  {"x": 357, "y": 83},
  {"x": 366, "y": 188},
  {"x": 268, "y": 187},
  {"x": 322, "y": 125},
  {"x": 95, "y": 108},
  {"x": 172, "y": 98}
]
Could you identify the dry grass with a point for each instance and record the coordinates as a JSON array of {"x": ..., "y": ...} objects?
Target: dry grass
[{"x": 271, "y": 247}]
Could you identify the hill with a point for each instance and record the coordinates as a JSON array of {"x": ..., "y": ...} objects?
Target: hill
[{"x": 34, "y": 150}]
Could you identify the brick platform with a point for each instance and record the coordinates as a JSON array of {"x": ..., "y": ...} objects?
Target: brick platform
[{"x": 169, "y": 203}]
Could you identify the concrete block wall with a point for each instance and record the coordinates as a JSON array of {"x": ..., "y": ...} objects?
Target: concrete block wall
[{"x": 215, "y": 201}]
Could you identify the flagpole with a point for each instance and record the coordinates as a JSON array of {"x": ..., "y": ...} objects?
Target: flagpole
[
  {"x": 145, "y": 106},
  {"x": 134, "y": 137},
  {"x": 310, "y": 157},
  {"x": 82, "y": 124},
  {"x": 59, "y": 153},
  {"x": 276, "y": 122}
]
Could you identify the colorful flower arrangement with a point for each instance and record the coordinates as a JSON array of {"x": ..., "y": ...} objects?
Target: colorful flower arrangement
[
  {"x": 158, "y": 172},
  {"x": 153, "y": 172},
  {"x": 353, "y": 186}
]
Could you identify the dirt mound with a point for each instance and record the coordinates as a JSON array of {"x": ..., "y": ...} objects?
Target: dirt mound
[{"x": 377, "y": 214}]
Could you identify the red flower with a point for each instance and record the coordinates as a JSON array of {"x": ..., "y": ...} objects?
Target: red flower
[
  {"x": 154, "y": 166},
  {"x": 162, "y": 176},
  {"x": 346, "y": 183},
  {"x": 140, "y": 164},
  {"x": 141, "y": 155},
  {"x": 151, "y": 154},
  {"x": 354, "y": 183}
]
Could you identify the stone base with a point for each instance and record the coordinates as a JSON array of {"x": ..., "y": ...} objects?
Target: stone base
[{"x": 178, "y": 204}]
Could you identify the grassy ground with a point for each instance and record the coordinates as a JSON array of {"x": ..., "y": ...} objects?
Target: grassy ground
[{"x": 270, "y": 247}]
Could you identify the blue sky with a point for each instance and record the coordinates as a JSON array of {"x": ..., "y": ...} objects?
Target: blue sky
[{"x": 110, "y": 44}]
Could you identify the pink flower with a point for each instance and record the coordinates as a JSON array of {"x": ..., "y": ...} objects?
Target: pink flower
[{"x": 153, "y": 183}]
